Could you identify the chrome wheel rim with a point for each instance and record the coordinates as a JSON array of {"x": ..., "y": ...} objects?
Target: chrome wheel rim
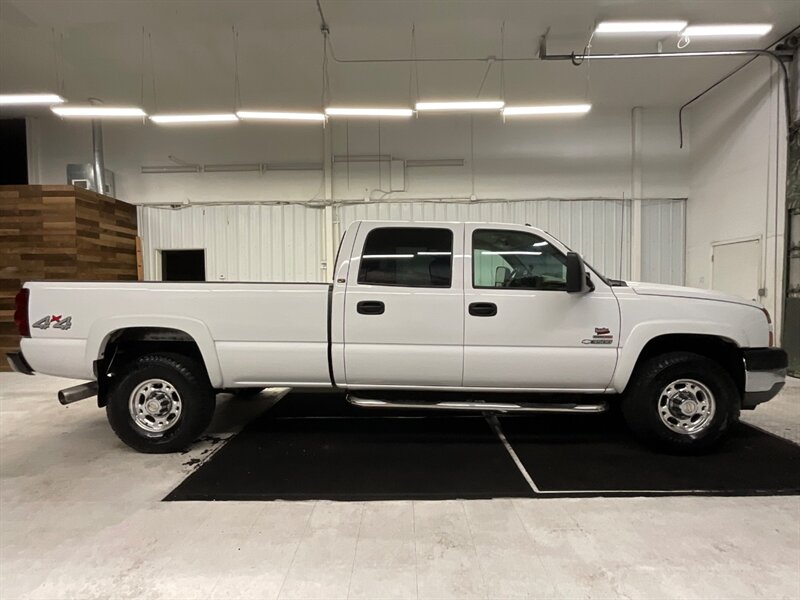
[
  {"x": 155, "y": 405},
  {"x": 686, "y": 406}
]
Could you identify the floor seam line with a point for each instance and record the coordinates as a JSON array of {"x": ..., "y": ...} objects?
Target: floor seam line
[
  {"x": 484, "y": 586},
  {"x": 296, "y": 549},
  {"x": 494, "y": 423},
  {"x": 355, "y": 550},
  {"x": 416, "y": 556}
]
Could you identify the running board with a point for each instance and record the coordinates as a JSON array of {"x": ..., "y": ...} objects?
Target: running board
[{"x": 481, "y": 406}]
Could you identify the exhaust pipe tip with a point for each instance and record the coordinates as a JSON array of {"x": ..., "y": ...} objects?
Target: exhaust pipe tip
[{"x": 77, "y": 392}]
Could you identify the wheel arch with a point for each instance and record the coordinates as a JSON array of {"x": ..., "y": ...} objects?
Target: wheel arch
[
  {"x": 153, "y": 334},
  {"x": 725, "y": 351}
]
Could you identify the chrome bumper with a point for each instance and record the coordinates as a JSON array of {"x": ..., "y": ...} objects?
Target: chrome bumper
[{"x": 764, "y": 375}]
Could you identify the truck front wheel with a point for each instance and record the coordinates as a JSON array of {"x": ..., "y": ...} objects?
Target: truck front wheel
[
  {"x": 160, "y": 403},
  {"x": 680, "y": 402}
]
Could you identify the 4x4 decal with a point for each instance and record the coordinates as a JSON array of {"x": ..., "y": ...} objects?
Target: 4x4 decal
[{"x": 58, "y": 322}]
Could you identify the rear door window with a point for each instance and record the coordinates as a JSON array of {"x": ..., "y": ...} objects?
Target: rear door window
[{"x": 408, "y": 257}]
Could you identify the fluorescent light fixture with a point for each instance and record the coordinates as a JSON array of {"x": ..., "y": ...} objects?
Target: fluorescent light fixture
[
  {"x": 368, "y": 112},
  {"x": 468, "y": 105},
  {"x": 552, "y": 109},
  {"x": 194, "y": 118},
  {"x": 280, "y": 116},
  {"x": 99, "y": 112},
  {"x": 25, "y": 99},
  {"x": 743, "y": 29},
  {"x": 640, "y": 26}
]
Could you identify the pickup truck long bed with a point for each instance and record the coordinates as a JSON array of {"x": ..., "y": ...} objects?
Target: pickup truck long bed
[{"x": 439, "y": 307}]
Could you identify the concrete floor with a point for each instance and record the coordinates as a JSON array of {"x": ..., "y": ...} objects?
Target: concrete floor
[{"x": 81, "y": 517}]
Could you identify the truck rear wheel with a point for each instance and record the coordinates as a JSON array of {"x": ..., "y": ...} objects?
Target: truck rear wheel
[
  {"x": 680, "y": 402},
  {"x": 160, "y": 403}
]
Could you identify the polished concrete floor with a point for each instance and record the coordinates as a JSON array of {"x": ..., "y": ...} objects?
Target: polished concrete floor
[{"x": 81, "y": 517}]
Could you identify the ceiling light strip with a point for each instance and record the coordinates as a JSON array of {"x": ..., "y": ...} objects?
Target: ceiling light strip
[
  {"x": 178, "y": 119},
  {"x": 280, "y": 116},
  {"x": 743, "y": 29},
  {"x": 640, "y": 26},
  {"x": 99, "y": 112},
  {"x": 460, "y": 105},
  {"x": 543, "y": 110},
  {"x": 368, "y": 112},
  {"x": 29, "y": 99}
]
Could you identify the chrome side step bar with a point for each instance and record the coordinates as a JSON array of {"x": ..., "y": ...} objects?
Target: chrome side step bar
[{"x": 481, "y": 406}]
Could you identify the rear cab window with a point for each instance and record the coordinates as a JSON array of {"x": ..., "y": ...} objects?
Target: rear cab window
[{"x": 407, "y": 257}]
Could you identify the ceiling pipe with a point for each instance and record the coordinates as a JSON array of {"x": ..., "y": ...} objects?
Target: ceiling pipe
[{"x": 779, "y": 58}]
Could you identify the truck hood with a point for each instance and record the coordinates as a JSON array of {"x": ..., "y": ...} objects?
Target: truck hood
[{"x": 677, "y": 291}]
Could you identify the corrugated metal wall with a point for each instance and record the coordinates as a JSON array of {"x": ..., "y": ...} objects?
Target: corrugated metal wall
[
  {"x": 242, "y": 242},
  {"x": 598, "y": 229},
  {"x": 664, "y": 241},
  {"x": 285, "y": 242}
]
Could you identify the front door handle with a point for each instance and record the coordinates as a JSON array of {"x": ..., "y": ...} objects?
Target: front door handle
[
  {"x": 370, "y": 307},
  {"x": 483, "y": 309}
]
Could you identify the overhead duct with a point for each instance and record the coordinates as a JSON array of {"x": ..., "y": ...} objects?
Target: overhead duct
[
  {"x": 421, "y": 162},
  {"x": 98, "y": 159},
  {"x": 231, "y": 167}
]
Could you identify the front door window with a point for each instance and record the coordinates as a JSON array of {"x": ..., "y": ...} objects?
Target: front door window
[{"x": 516, "y": 259}]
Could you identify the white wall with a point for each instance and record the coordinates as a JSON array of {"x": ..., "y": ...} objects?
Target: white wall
[
  {"x": 589, "y": 158},
  {"x": 585, "y": 157},
  {"x": 241, "y": 242},
  {"x": 737, "y": 176}
]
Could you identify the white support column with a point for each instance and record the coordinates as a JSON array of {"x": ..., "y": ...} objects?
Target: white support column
[
  {"x": 636, "y": 193},
  {"x": 329, "y": 242}
]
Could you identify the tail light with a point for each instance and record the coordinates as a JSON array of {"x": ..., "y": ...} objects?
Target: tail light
[
  {"x": 21, "y": 312},
  {"x": 769, "y": 323}
]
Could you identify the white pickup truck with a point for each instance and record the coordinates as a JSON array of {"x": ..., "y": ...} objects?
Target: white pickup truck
[{"x": 464, "y": 316}]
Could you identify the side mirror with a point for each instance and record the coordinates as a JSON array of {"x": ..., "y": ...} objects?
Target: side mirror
[{"x": 577, "y": 279}]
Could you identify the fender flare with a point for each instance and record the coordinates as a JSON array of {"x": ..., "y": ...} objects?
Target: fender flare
[
  {"x": 643, "y": 333},
  {"x": 102, "y": 330}
]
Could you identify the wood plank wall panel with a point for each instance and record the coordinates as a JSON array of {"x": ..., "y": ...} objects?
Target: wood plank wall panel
[{"x": 60, "y": 232}]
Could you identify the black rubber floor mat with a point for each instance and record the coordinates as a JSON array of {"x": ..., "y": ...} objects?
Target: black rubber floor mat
[
  {"x": 596, "y": 456},
  {"x": 357, "y": 459}
]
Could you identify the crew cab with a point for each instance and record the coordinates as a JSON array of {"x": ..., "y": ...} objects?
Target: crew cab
[{"x": 466, "y": 316}]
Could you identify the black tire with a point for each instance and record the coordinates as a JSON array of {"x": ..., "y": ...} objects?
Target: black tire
[
  {"x": 640, "y": 402},
  {"x": 189, "y": 380}
]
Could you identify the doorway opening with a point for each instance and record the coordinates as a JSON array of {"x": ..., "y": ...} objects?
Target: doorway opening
[
  {"x": 736, "y": 268},
  {"x": 183, "y": 265},
  {"x": 14, "y": 166}
]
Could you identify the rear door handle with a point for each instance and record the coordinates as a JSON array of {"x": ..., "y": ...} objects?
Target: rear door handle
[
  {"x": 370, "y": 307},
  {"x": 483, "y": 309}
]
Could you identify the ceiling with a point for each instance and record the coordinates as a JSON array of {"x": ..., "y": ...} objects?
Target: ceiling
[{"x": 98, "y": 49}]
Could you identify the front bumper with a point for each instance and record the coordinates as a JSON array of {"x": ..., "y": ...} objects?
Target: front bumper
[
  {"x": 18, "y": 363},
  {"x": 764, "y": 375}
]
